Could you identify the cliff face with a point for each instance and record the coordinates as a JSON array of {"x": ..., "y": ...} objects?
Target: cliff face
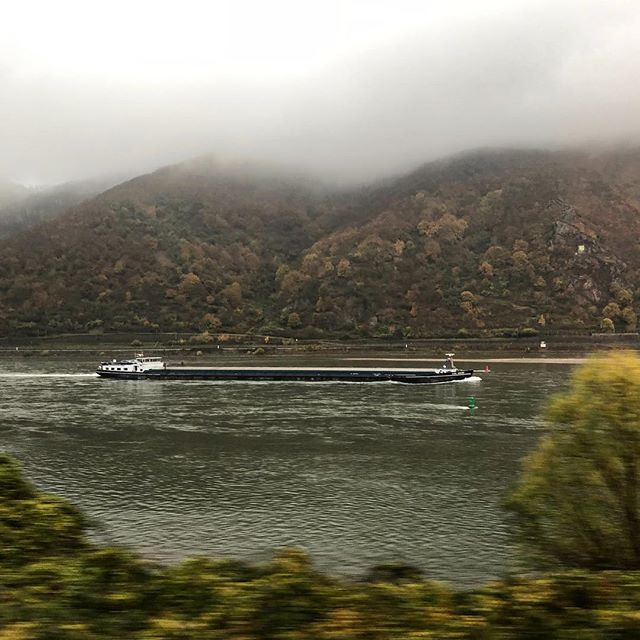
[{"x": 485, "y": 240}]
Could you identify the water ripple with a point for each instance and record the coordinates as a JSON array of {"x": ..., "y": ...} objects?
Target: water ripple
[{"x": 356, "y": 473}]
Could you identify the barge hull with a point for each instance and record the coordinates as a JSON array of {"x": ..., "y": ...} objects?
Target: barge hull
[{"x": 266, "y": 375}]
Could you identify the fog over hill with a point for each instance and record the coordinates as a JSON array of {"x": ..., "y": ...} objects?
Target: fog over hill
[
  {"x": 347, "y": 89},
  {"x": 480, "y": 241},
  {"x": 21, "y": 207},
  {"x": 11, "y": 193}
]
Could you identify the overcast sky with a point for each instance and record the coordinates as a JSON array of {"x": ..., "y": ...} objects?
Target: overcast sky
[{"x": 351, "y": 89}]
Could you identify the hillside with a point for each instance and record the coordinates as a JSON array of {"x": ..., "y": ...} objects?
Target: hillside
[
  {"x": 481, "y": 241},
  {"x": 486, "y": 240},
  {"x": 11, "y": 193},
  {"x": 21, "y": 207}
]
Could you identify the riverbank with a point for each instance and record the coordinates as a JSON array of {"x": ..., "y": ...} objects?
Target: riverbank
[
  {"x": 568, "y": 349},
  {"x": 541, "y": 359}
]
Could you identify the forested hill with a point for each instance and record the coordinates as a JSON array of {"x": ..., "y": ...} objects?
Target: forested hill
[
  {"x": 482, "y": 241},
  {"x": 21, "y": 207},
  {"x": 10, "y": 193}
]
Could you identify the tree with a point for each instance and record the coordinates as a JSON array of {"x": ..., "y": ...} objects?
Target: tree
[
  {"x": 606, "y": 324},
  {"x": 520, "y": 260},
  {"x": 211, "y": 321},
  {"x": 468, "y": 304},
  {"x": 292, "y": 283},
  {"x": 630, "y": 318},
  {"x": 623, "y": 296},
  {"x": 344, "y": 266},
  {"x": 190, "y": 282},
  {"x": 34, "y": 525},
  {"x": 577, "y": 502},
  {"x": 612, "y": 311},
  {"x": 448, "y": 228},
  {"x": 294, "y": 321},
  {"x": 233, "y": 294}
]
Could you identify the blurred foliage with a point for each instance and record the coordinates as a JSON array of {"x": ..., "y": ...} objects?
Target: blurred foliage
[
  {"x": 483, "y": 241},
  {"x": 578, "y": 500},
  {"x": 55, "y": 584}
]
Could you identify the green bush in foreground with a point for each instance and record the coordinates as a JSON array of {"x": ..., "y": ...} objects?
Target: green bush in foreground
[
  {"x": 55, "y": 584},
  {"x": 577, "y": 502}
]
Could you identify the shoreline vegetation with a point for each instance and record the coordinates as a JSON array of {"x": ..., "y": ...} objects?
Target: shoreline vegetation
[
  {"x": 559, "y": 349},
  {"x": 543, "y": 358},
  {"x": 575, "y": 521},
  {"x": 56, "y": 583}
]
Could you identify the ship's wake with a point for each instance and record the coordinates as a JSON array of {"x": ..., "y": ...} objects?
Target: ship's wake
[{"x": 16, "y": 374}]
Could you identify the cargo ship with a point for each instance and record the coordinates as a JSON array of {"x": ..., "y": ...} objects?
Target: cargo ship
[{"x": 154, "y": 368}]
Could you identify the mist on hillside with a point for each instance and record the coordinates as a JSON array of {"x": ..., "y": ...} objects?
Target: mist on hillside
[{"x": 346, "y": 91}]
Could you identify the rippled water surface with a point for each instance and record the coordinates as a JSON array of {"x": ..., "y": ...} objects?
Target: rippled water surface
[{"x": 356, "y": 473}]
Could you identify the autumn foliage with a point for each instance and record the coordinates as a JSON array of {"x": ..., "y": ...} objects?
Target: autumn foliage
[
  {"x": 578, "y": 501},
  {"x": 480, "y": 242}
]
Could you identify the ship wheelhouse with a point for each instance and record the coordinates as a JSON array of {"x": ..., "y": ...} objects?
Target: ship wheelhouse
[{"x": 139, "y": 364}]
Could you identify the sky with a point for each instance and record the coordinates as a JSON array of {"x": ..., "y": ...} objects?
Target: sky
[{"x": 349, "y": 90}]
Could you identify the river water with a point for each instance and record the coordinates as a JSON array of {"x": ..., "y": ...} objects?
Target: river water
[{"x": 357, "y": 474}]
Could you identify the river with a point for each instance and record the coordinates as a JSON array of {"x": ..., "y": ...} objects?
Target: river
[{"x": 357, "y": 474}]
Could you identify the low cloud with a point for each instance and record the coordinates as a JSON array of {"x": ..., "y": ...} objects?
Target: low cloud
[{"x": 522, "y": 73}]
